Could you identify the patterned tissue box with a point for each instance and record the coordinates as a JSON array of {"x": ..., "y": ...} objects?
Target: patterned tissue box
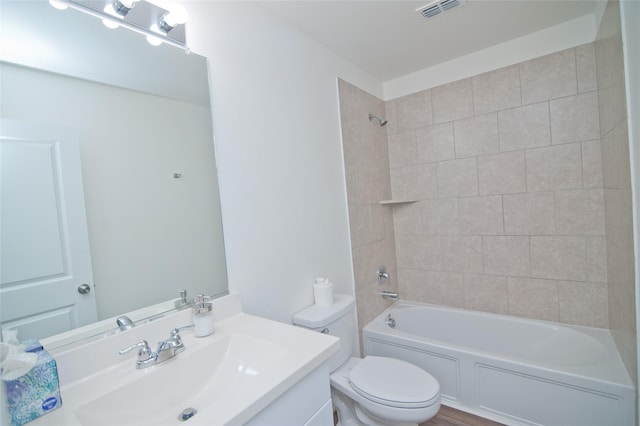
[{"x": 37, "y": 392}]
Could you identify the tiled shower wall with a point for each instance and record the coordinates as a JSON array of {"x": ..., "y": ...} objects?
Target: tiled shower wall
[
  {"x": 505, "y": 170},
  {"x": 504, "y": 177},
  {"x": 617, "y": 185},
  {"x": 371, "y": 224}
]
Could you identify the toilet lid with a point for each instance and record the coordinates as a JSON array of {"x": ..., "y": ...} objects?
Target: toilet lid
[{"x": 394, "y": 382}]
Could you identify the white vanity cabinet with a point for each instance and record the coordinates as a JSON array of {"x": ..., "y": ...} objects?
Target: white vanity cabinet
[{"x": 307, "y": 403}]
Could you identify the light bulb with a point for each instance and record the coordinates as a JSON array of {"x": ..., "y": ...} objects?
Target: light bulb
[
  {"x": 58, "y": 4},
  {"x": 177, "y": 15},
  {"x": 154, "y": 41},
  {"x": 110, "y": 23}
]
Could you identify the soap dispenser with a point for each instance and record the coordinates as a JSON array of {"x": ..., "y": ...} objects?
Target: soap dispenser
[{"x": 202, "y": 316}]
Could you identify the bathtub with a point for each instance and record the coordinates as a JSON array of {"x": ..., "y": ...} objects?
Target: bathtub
[{"x": 512, "y": 370}]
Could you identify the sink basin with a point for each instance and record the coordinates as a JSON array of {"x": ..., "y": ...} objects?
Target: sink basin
[
  {"x": 225, "y": 369},
  {"x": 228, "y": 377}
]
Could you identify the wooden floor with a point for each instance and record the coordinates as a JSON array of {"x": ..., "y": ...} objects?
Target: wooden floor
[{"x": 451, "y": 417}]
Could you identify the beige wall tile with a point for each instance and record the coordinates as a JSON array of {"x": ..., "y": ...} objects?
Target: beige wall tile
[
  {"x": 591, "y": 164},
  {"x": 597, "y": 259},
  {"x": 548, "y": 77},
  {"x": 574, "y": 119},
  {"x": 476, "y": 136},
  {"x": 352, "y": 102},
  {"x": 610, "y": 69},
  {"x": 559, "y": 257},
  {"x": 411, "y": 284},
  {"x": 407, "y": 219},
  {"x": 586, "y": 67},
  {"x": 365, "y": 261},
  {"x": 525, "y": 127},
  {"x": 620, "y": 268},
  {"x": 506, "y": 255},
  {"x": 391, "y": 114},
  {"x": 461, "y": 253},
  {"x": 554, "y": 168},
  {"x": 496, "y": 90},
  {"x": 615, "y": 169},
  {"x": 359, "y": 224},
  {"x": 435, "y": 143},
  {"x": 440, "y": 216},
  {"x": 580, "y": 212},
  {"x": 583, "y": 303},
  {"x": 449, "y": 245},
  {"x": 487, "y": 293},
  {"x": 445, "y": 288},
  {"x": 481, "y": 215},
  {"x": 414, "y": 182},
  {"x": 458, "y": 178},
  {"x": 361, "y": 185},
  {"x": 615, "y": 158},
  {"x": 502, "y": 173},
  {"x": 613, "y": 109},
  {"x": 381, "y": 222},
  {"x": 533, "y": 298},
  {"x": 418, "y": 252},
  {"x": 619, "y": 218},
  {"x": 414, "y": 111},
  {"x": 452, "y": 101},
  {"x": 402, "y": 149},
  {"x": 529, "y": 214}
]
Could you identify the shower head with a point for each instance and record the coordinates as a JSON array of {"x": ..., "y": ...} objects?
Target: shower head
[{"x": 381, "y": 121}]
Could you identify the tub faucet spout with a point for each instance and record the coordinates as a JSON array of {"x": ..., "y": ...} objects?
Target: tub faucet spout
[{"x": 389, "y": 295}]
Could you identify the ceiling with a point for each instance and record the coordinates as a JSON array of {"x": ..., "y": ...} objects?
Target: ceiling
[{"x": 390, "y": 39}]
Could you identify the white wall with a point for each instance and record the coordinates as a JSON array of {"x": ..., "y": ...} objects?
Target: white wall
[
  {"x": 279, "y": 153},
  {"x": 550, "y": 40}
]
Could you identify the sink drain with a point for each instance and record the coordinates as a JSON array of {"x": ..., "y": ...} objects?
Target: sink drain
[{"x": 187, "y": 413}]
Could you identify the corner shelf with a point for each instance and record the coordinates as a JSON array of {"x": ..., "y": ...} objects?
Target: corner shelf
[{"x": 394, "y": 202}]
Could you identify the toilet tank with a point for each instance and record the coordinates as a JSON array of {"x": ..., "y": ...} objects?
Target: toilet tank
[{"x": 336, "y": 320}]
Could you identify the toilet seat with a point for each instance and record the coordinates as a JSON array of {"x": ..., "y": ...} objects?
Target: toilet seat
[{"x": 394, "y": 383}]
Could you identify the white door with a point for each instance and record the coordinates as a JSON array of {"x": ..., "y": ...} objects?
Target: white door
[{"x": 45, "y": 264}]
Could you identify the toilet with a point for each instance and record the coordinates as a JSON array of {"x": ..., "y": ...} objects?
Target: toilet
[{"x": 372, "y": 391}]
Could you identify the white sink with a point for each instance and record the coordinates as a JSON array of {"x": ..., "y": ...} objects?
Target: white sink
[
  {"x": 228, "y": 377},
  {"x": 157, "y": 395}
]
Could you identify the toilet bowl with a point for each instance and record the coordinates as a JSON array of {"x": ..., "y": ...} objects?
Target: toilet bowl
[{"x": 372, "y": 391}]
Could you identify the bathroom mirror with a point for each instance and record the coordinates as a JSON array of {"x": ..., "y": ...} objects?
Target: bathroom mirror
[{"x": 142, "y": 119}]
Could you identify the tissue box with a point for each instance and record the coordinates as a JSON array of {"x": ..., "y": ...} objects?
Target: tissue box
[{"x": 37, "y": 392}]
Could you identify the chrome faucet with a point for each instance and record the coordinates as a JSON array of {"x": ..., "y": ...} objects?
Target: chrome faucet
[
  {"x": 124, "y": 322},
  {"x": 389, "y": 295},
  {"x": 167, "y": 349},
  {"x": 183, "y": 302}
]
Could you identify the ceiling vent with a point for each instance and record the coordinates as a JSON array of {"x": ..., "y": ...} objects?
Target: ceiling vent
[{"x": 437, "y": 7}]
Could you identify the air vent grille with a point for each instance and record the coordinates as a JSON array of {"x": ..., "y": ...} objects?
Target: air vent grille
[{"x": 437, "y": 7}]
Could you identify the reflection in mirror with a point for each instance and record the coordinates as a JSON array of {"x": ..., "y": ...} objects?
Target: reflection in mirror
[{"x": 141, "y": 121}]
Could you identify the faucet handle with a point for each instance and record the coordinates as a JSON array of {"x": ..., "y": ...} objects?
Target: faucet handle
[
  {"x": 175, "y": 340},
  {"x": 176, "y": 331},
  {"x": 145, "y": 349}
]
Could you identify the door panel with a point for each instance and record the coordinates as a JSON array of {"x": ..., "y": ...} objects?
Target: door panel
[{"x": 44, "y": 248}]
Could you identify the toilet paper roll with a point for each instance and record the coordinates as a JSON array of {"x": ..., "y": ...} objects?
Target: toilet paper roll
[{"x": 323, "y": 293}]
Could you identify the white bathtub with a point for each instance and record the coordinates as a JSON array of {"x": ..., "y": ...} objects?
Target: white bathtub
[{"x": 513, "y": 370}]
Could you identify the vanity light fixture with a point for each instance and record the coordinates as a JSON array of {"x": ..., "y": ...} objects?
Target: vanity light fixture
[
  {"x": 117, "y": 10},
  {"x": 176, "y": 15},
  {"x": 60, "y": 5},
  {"x": 160, "y": 25},
  {"x": 123, "y": 7}
]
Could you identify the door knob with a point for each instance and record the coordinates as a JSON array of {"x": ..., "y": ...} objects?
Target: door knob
[{"x": 84, "y": 289}]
